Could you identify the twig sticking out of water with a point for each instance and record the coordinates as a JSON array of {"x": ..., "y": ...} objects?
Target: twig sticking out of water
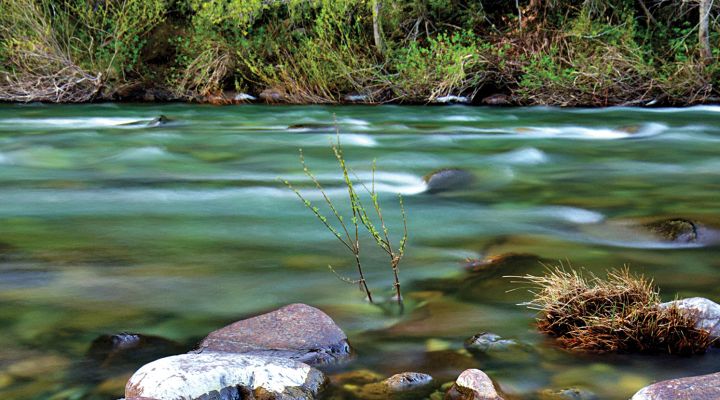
[{"x": 349, "y": 235}]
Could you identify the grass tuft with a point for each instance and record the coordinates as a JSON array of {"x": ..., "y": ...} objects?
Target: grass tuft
[{"x": 621, "y": 313}]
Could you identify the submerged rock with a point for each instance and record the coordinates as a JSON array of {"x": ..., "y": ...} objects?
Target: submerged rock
[
  {"x": 675, "y": 230},
  {"x": 473, "y": 384},
  {"x": 696, "y": 388},
  {"x": 130, "y": 349},
  {"x": 405, "y": 385},
  {"x": 224, "y": 376},
  {"x": 313, "y": 127},
  {"x": 296, "y": 331},
  {"x": 448, "y": 179},
  {"x": 158, "y": 121},
  {"x": 706, "y": 313},
  {"x": 503, "y": 263},
  {"x": 487, "y": 342},
  {"x": 567, "y": 394}
]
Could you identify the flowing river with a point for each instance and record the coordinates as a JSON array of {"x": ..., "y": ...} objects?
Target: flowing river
[{"x": 112, "y": 223}]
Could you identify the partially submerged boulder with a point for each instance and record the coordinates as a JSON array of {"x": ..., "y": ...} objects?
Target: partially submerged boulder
[
  {"x": 705, "y": 312},
  {"x": 675, "y": 230},
  {"x": 224, "y": 376},
  {"x": 473, "y": 384},
  {"x": 125, "y": 349},
  {"x": 448, "y": 179},
  {"x": 487, "y": 342},
  {"x": 296, "y": 331},
  {"x": 405, "y": 385},
  {"x": 704, "y": 387}
]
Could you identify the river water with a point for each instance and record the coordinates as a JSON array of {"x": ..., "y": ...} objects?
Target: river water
[{"x": 110, "y": 225}]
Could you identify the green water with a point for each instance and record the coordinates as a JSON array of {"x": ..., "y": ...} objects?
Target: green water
[{"x": 109, "y": 225}]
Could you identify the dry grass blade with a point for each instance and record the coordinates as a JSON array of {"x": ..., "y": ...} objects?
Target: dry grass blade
[{"x": 621, "y": 313}]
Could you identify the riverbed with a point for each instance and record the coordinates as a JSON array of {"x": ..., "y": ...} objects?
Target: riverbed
[{"x": 113, "y": 222}]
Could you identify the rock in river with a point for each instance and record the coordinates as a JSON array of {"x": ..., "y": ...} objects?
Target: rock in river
[
  {"x": 296, "y": 331},
  {"x": 473, "y": 384},
  {"x": 706, "y": 313},
  {"x": 704, "y": 387},
  {"x": 448, "y": 179},
  {"x": 130, "y": 349},
  {"x": 405, "y": 385},
  {"x": 675, "y": 230},
  {"x": 215, "y": 376}
]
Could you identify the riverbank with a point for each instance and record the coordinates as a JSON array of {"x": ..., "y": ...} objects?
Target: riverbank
[{"x": 564, "y": 53}]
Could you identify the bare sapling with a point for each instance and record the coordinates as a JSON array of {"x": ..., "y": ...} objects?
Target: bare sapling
[{"x": 349, "y": 234}]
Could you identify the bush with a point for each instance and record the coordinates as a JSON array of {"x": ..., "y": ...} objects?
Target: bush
[{"x": 619, "y": 314}]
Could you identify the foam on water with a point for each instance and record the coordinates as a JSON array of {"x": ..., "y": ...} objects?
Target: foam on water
[
  {"x": 523, "y": 156},
  {"x": 71, "y": 122}
]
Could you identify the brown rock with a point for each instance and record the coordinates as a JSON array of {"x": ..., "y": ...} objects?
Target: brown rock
[
  {"x": 473, "y": 384},
  {"x": 704, "y": 387},
  {"x": 497, "y": 100},
  {"x": 296, "y": 331},
  {"x": 272, "y": 95}
]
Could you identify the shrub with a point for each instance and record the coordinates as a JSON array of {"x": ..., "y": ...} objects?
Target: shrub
[{"x": 619, "y": 314}]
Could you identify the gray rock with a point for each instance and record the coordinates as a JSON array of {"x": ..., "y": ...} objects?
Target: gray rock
[
  {"x": 296, "y": 331},
  {"x": 272, "y": 95},
  {"x": 473, "y": 384},
  {"x": 707, "y": 313},
  {"x": 448, "y": 179},
  {"x": 216, "y": 376},
  {"x": 451, "y": 99},
  {"x": 244, "y": 97},
  {"x": 485, "y": 342},
  {"x": 567, "y": 394},
  {"x": 704, "y": 387}
]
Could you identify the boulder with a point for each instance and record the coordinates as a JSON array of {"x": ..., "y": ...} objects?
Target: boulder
[
  {"x": 296, "y": 331},
  {"x": 706, "y": 312},
  {"x": 224, "y": 376},
  {"x": 158, "y": 121},
  {"x": 473, "y": 384},
  {"x": 450, "y": 99},
  {"x": 704, "y": 387},
  {"x": 407, "y": 381},
  {"x": 448, "y": 179},
  {"x": 567, "y": 394}
]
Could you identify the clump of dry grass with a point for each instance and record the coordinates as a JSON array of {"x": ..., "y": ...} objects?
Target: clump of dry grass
[{"x": 619, "y": 314}]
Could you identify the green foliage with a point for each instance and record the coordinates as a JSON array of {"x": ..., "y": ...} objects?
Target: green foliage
[{"x": 448, "y": 64}]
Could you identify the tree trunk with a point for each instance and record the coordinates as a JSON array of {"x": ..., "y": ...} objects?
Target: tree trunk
[
  {"x": 378, "y": 34},
  {"x": 704, "y": 30}
]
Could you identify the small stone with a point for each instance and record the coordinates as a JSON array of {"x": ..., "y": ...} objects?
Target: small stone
[
  {"x": 473, "y": 384},
  {"x": 484, "y": 342},
  {"x": 498, "y": 99},
  {"x": 704, "y": 387},
  {"x": 706, "y": 313},
  {"x": 234, "y": 376},
  {"x": 448, "y": 179},
  {"x": 407, "y": 381},
  {"x": 271, "y": 95},
  {"x": 296, "y": 331}
]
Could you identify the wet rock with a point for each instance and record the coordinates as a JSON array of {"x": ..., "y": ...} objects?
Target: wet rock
[
  {"x": 407, "y": 381},
  {"x": 706, "y": 312},
  {"x": 503, "y": 263},
  {"x": 243, "y": 97},
  {"x": 567, "y": 394},
  {"x": 487, "y": 342},
  {"x": 498, "y": 99},
  {"x": 704, "y": 387},
  {"x": 675, "y": 230},
  {"x": 473, "y": 384},
  {"x": 271, "y": 95},
  {"x": 296, "y": 331},
  {"x": 158, "y": 121},
  {"x": 224, "y": 376},
  {"x": 399, "y": 386},
  {"x": 313, "y": 127},
  {"x": 130, "y": 349},
  {"x": 448, "y": 179},
  {"x": 357, "y": 377}
]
